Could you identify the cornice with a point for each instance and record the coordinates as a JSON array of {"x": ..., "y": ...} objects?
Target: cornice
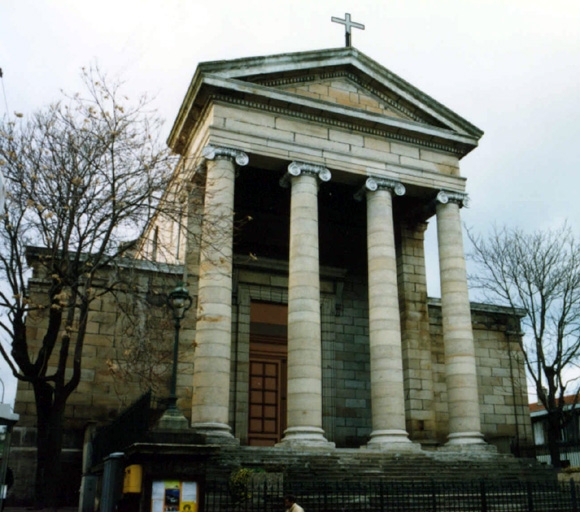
[
  {"x": 351, "y": 126},
  {"x": 485, "y": 308}
]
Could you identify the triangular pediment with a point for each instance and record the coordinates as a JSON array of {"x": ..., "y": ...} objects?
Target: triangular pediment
[
  {"x": 345, "y": 91},
  {"x": 338, "y": 86}
]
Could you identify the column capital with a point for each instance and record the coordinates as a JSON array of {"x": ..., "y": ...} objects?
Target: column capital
[
  {"x": 448, "y": 196},
  {"x": 374, "y": 184},
  {"x": 296, "y": 168},
  {"x": 220, "y": 152}
]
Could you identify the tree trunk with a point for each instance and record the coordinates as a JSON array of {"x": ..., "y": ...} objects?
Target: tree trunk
[
  {"x": 50, "y": 417},
  {"x": 553, "y": 432}
]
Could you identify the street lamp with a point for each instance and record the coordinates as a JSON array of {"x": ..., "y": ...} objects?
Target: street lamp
[{"x": 179, "y": 301}]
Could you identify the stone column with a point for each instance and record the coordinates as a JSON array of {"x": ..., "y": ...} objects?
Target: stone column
[
  {"x": 460, "y": 368},
  {"x": 211, "y": 373},
  {"x": 387, "y": 391},
  {"x": 304, "y": 327}
]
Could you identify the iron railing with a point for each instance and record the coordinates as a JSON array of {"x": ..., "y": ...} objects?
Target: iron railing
[
  {"x": 127, "y": 429},
  {"x": 569, "y": 454},
  {"x": 480, "y": 496}
]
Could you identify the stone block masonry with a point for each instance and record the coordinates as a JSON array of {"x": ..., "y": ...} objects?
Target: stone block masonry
[{"x": 347, "y": 418}]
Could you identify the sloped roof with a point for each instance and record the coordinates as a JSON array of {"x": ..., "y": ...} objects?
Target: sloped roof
[
  {"x": 373, "y": 96},
  {"x": 568, "y": 400}
]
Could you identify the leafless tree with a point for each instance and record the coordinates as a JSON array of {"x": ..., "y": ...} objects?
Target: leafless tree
[
  {"x": 84, "y": 180},
  {"x": 144, "y": 334},
  {"x": 539, "y": 272}
]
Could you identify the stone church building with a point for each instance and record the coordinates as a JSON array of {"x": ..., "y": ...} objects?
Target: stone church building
[
  {"x": 310, "y": 180},
  {"x": 313, "y": 321}
]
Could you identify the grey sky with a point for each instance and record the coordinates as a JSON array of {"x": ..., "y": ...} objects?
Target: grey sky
[{"x": 511, "y": 67}]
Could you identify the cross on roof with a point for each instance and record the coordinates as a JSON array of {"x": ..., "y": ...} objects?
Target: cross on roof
[{"x": 347, "y": 25}]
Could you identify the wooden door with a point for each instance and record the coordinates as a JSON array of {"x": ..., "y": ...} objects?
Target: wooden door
[
  {"x": 265, "y": 402},
  {"x": 268, "y": 376}
]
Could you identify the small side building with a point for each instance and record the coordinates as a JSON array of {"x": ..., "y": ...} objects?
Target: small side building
[{"x": 569, "y": 442}]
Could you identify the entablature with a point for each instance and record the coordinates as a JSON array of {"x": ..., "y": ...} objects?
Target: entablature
[{"x": 274, "y": 141}]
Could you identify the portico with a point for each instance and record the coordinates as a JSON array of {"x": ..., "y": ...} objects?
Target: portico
[{"x": 324, "y": 124}]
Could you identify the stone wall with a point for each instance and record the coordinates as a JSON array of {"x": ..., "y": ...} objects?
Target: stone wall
[
  {"x": 501, "y": 376},
  {"x": 106, "y": 387},
  {"x": 349, "y": 360},
  {"x": 346, "y": 370},
  {"x": 346, "y": 364}
]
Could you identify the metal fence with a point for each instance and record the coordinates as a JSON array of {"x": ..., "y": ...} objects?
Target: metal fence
[
  {"x": 481, "y": 496},
  {"x": 570, "y": 453},
  {"x": 128, "y": 428}
]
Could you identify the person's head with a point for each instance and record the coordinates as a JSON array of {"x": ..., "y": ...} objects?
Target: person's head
[{"x": 289, "y": 500}]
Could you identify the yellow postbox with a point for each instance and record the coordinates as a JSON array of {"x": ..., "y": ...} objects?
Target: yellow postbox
[{"x": 133, "y": 477}]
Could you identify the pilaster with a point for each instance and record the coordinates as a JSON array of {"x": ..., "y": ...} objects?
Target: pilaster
[{"x": 415, "y": 335}]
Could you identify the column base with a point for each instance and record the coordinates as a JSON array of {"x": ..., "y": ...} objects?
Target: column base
[
  {"x": 215, "y": 433},
  {"x": 460, "y": 438},
  {"x": 391, "y": 440},
  {"x": 304, "y": 437},
  {"x": 470, "y": 443},
  {"x": 172, "y": 419}
]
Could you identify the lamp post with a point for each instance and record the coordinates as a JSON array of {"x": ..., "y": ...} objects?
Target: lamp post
[{"x": 179, "y": 301}]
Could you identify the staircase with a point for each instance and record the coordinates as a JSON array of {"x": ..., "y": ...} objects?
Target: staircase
[{"x": 342, "y": 465}]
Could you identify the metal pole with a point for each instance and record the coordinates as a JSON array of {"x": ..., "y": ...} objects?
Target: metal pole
[{"x": 173, "y": 388}]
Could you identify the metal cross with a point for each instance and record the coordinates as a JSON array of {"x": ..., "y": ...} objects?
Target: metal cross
[{"x": 347, "y": 25}]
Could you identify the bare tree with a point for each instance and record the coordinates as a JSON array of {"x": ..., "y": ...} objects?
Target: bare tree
[
  {"x": 144, "y": 334},
  {"x": 84, "y": 180},
  {"x": 539, "y": 272}
]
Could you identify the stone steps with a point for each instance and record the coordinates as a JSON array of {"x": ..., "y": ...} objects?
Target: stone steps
[
  {"x": 353, "y": 465},
  {"x": 341, "y": 465}
]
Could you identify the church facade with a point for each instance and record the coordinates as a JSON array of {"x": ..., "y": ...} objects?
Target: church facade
[
  {"x": 309, "y": 181},
  {"x": 313, "y": 323}
]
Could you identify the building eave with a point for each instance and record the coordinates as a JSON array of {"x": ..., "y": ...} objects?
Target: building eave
[{"x": 238, "y": 77}]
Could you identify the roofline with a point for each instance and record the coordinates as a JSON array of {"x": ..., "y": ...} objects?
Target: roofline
[
  {"x": 485, "y": 308},
  {"x": 248, "y": 66}
]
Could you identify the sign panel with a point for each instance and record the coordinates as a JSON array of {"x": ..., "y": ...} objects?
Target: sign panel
[{"x": 173, "y": 496}]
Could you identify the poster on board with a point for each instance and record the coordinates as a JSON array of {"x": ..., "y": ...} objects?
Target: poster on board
[{"x": 173, "y": 496}]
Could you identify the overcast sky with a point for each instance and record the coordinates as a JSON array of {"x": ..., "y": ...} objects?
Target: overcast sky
[{"x": 511, "y": 67}]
